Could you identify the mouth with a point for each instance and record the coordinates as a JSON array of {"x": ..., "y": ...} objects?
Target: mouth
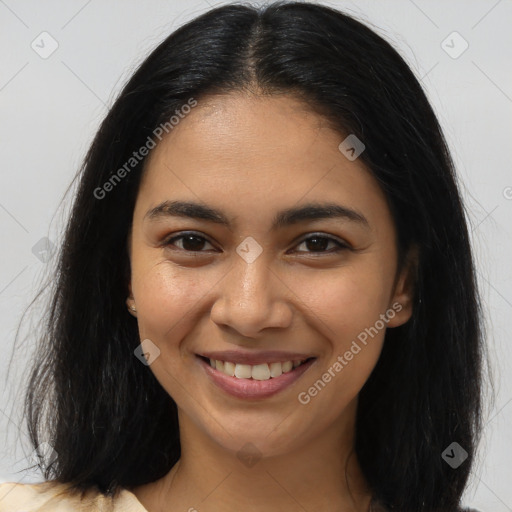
[
  {"x": 262, "y": 371},
  {"x": 254, "y": 381}
]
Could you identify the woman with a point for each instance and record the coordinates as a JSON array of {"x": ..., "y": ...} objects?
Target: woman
[{"x": 266, "y": 292}]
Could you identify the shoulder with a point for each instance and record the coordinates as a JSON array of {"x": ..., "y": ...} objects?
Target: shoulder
[
  {"x": 378, "y": 507},
  {"x": 53, "y": 496}
]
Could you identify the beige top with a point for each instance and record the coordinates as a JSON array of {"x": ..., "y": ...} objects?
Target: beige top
[{"x": 53, "y": 496}]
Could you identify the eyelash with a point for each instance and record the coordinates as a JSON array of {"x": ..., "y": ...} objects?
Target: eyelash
[{"x": 341, "y": 246}]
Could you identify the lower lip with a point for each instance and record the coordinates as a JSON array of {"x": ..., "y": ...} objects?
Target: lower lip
[{"x": 254, "y": 389}]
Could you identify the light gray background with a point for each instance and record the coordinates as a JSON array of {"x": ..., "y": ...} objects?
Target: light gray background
[{"x": 51, "y": 108}]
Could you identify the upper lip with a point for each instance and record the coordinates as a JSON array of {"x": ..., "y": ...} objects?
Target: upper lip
[{"x": 252, "y": 358}]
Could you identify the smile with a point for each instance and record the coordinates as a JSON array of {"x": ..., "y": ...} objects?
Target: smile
[
  {"x": 263, "y": 371},
  {"x": 254, "y": 381}
]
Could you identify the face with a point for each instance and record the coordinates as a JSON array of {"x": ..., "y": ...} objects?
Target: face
[{"x": 289, "y": 255}]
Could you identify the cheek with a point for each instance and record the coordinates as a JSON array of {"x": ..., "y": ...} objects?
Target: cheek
[
  {"x": 347, "y": 300},
  {"x": 166, "y": 295},
  {"x": 346, "y": 308},
  {"x": 168, "y": 310},
  {"x": 167, "y": 302}
]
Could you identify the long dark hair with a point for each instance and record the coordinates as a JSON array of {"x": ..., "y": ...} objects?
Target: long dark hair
[{"x": 111, "y": 423}]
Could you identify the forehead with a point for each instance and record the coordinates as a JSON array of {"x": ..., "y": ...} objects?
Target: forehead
[
  {"x": 240, "y": 128},
  {"x": 252, "y": 152}
]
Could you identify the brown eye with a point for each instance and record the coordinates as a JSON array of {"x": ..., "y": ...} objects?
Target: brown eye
[
  {"x": 190, "y": 242},
  {"x": 319, "y": 244},
  {"x": 315, "y": 244}
]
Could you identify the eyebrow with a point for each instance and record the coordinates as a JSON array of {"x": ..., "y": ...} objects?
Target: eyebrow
[{"x": 287, "y": 217}]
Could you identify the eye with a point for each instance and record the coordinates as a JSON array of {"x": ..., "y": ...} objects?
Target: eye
[
  {"x": 316, "y": 243},
  {"x": 191, "y": 242},
  {"x": 319, "y": 244}
]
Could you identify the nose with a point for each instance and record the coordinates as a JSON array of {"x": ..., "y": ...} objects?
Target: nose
[{"x": 252, "y": 298}]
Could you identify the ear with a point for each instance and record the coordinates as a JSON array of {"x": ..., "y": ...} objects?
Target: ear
[
  {"x": 402, "y": 301},
  {"x": 130, "y": 301}
]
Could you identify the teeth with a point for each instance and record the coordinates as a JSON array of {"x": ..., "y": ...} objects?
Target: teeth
[
  {"x": 263, "y": 371},
  {"x": 229, "y": 368},
  {"x": 276, "y": 369},
  {"x": 243, "y": 371},
  {"x": 287, "y": 366}
]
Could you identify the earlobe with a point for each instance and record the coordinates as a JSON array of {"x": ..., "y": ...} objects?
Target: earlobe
[
  {"x": 130, "y": 301},
  {"x": 402, "y": 301}
]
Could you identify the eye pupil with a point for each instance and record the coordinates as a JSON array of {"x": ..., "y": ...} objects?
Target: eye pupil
[
  {"x": 317, "y": 242},
  {"x": 194, "y": 246}
]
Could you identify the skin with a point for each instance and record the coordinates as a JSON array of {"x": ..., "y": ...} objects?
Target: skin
[{"x": 251, "y": 156}]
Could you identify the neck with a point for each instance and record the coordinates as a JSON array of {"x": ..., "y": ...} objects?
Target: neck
[{"x": 322, "y": 475}]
